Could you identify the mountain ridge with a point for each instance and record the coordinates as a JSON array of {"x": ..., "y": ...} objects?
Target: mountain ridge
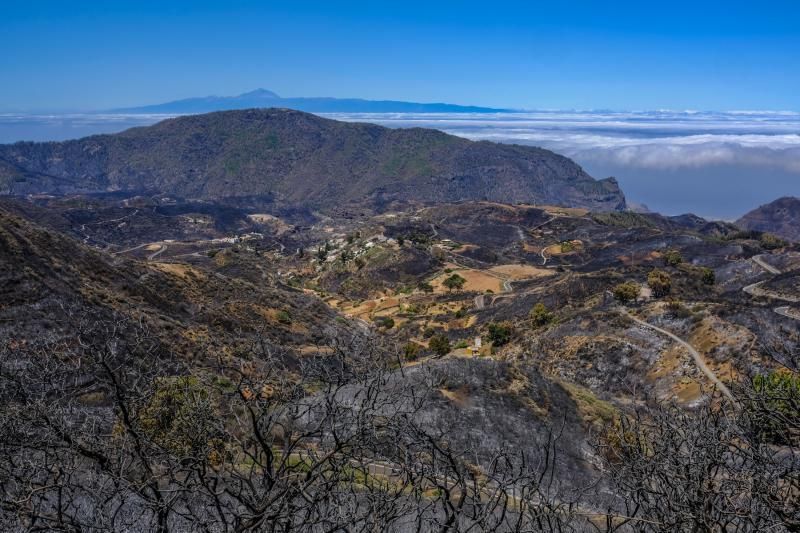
[
  {"x": 297, "y": 158},
  {"x": 266, "y": 98}
]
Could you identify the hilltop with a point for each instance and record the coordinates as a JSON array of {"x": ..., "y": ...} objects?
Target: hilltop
[
  {"x": 781, "y": 217},
  {"x": 294, "y": 158}
]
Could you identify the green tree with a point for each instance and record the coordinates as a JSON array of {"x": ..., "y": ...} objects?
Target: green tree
[
  {"x": 567, "y": 247},
  {"x": 626, "y": 292},
  {"x": 660, "y": 283},
  {"x": 678, "y": 310},
  {"x": 411, "y": 351},
  {"x": 454, "y": 282},
  {"x": 180, "y": 417},
  {"x": 424, "y": 286},
  {"x": 385, "y": 322},
  {"x": 708, "y": 276},
  {"x": 672, "y": 258},
  {"x": 771, "y": 242},
  {"x": 439, "y": 344},
  {"x": 499, "y": 333},
  {"x": 540, "y": 316},
  {"x": 775, "y": 404}
]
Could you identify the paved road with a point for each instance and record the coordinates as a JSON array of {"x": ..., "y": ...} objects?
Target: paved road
[
  {"x": 766, "y": 266},
  {"x": 698, "y": 359},
  {"x": 544, "y": 257},
  {"x": 157, "y": 252},
  {"x": 480, "y": 300},
  {"x": 788, "y": 312},
  {"x": 546, "y": 222},
  {"x": 754, "y": 289},
  {"x": 132, "y": 249}
]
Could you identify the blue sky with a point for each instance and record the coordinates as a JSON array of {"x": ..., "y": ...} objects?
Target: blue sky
[{"x": 80, "y": 55}]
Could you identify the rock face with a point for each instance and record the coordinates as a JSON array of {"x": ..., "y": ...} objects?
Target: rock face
[
  {"x": 781, "y": 217},
  {"x": 299, "y": 158}
]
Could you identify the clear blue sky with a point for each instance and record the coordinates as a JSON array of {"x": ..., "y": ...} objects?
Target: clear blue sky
[{"x": 615, "y": 54}]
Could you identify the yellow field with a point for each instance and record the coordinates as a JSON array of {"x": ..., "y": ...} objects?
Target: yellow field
[
  {"x": 519, "y": 272},
  {"x": 476, "y": 281},
  {"x": 569, "y": 211},
  {"x": 179, "y": 270},
  {"x": 555, "y": 249}
]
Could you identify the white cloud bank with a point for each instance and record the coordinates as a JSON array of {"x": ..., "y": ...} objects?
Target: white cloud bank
[
  {"x": 644, "y": 140},
  {"x": 713, "y": 164},
  {"x": 655, "y": 140}
]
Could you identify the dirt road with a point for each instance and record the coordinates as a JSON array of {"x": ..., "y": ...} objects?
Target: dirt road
[{"x": 698, "y": 359}]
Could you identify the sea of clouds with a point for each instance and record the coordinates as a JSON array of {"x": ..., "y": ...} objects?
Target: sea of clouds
[
  {"x": 716, "y": 164},
  {"x": 652, "y": 139}
]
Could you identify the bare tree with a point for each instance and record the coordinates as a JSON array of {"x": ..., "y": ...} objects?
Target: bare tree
[
  {"x": 708, "y": 470},
  {"x": 107, "y": 430}
]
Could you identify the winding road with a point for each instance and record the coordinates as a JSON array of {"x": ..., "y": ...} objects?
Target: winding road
[
  {"x": 788, "y": 312},
  {"x": 754, "y": 289},
  {"x": 132, "y": 249},
  {"x": 766, "y": 266},
  {"x": 698, "y": 359},
  {"x": 480, "y": 300},
  {"x": 158, "y": 252}
]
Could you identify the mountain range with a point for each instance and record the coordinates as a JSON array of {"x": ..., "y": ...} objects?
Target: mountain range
[
  {"x": 253, "y": 317},
  {"x": 266, "y": 98},
  {"x": 296, "y": 158}
]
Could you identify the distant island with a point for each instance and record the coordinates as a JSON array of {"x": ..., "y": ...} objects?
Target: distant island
[{"x": 265, "y": 98}]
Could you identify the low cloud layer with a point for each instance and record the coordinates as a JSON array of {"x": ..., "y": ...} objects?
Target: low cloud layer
[
  {"x": 645, "y": 140},
  {"x": 717, "y": 165},
  {"x": 696, "y": 152}
]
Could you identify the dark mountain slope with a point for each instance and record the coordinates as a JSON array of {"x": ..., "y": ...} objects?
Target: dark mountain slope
[
  {"x": 781, "y": 217},
  {"x": 298, "y": 158},
  {"x": 48, "y": 281}
]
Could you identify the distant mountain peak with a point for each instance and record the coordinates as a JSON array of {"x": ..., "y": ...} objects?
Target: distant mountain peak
[
  {"x": 260, "y": 98},
  {"x": 260, "y": 93}
]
